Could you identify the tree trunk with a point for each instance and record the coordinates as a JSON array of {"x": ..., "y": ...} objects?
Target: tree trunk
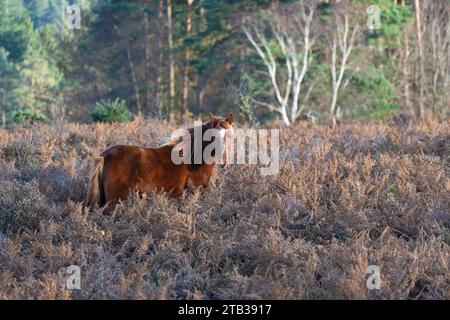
[
  {"x": 200, "y": 94},
  {"x": 134, "y": 79},
  {"x": 333, "y": 77},
  {"x": 187, "y": 57},
  {"x": 344, "y": 40},
  {"x": 406, "y": 72},
  {"x": 132, "y": 72},
  {"x": 171, "y": 63},
  {"x": 160, "y": 57},
  {"x": 420, "y": 54},
  {"x": 436, "y": 63},
  {"x": 201, "y": 77},
  {"x": 147, "y": 100}
]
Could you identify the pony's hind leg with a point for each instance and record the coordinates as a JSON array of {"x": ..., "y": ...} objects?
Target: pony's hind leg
[
  {"x": 119, "y": 192},
  {"x": 109, "y": 207}
]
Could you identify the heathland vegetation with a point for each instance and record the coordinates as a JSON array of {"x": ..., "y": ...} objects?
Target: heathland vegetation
[
  {"x": 358, "y": 89},
  {"x": 344, "y": 199}
]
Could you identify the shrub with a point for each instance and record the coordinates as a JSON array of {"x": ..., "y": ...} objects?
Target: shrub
[
  {"x": 28, "y": 115},
  {"x": 21, "y": 206},
  {"x": 111, "y": 111},
  {"x": 21, "y": 153}
]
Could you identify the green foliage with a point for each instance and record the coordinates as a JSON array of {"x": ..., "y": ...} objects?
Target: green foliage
[
  {"x": 377, "y": 112},
  {"x": 15, "y": 35},
  {"x": 45, "y": 12},
  {"x": 40, "y": 78},
  {"x": 15, "y": 30},
  {"x": 372, "y": 96},
  {"x": 44, "y": 65},
  {"x": 28, "y": 115},
  {"x": 9, "y": 81},
  {"x": 246, "y": 108},
  {"x": 393, "y": 18},
  {"x": 111, "y": 111},
  {"x": 316, "y": 116},
  {"x": 371, "y": 93},
  {"x": 29, "y": 78}
]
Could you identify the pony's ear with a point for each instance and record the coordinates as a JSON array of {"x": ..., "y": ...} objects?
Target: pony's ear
[
  {"x": 213, "y": 119},
  {"x": 229, "y": 119}
]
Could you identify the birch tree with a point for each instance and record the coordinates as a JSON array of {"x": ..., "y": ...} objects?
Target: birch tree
[
  {"x": 341, "y": 37},
  {"x": 290, "y": 28},
  {"x": 438, "y": 38}
]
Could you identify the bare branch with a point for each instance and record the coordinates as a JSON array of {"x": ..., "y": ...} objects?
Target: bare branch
[{"x": 294, "y": 37}]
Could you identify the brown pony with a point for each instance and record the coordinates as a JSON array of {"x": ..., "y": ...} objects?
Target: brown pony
[{"x": 122, "y": 169}]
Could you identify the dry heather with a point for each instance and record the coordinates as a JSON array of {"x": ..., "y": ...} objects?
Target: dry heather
[{"x": 344, "y": 199}]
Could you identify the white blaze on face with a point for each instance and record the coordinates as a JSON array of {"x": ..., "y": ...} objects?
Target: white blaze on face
[
  {"x": 222, "y": 133},
  {"x": 226, "y": 139},
  {"x": 218, "y": 147}
]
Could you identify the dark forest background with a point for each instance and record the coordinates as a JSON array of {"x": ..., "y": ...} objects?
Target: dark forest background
[{"x": 260, "y": 59}]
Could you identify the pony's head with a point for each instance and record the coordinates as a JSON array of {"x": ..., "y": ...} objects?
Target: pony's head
[
  {"x": 221, "y": 123},
  {"x": 217, "y": 129},
  {"x": 225, "y": 127}
]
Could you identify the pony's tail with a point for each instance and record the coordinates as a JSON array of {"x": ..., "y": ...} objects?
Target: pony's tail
[{"x": 96, "y": 194}]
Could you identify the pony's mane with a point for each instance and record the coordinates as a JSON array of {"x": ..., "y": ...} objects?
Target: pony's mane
[{"x": 173, "y": 142}]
